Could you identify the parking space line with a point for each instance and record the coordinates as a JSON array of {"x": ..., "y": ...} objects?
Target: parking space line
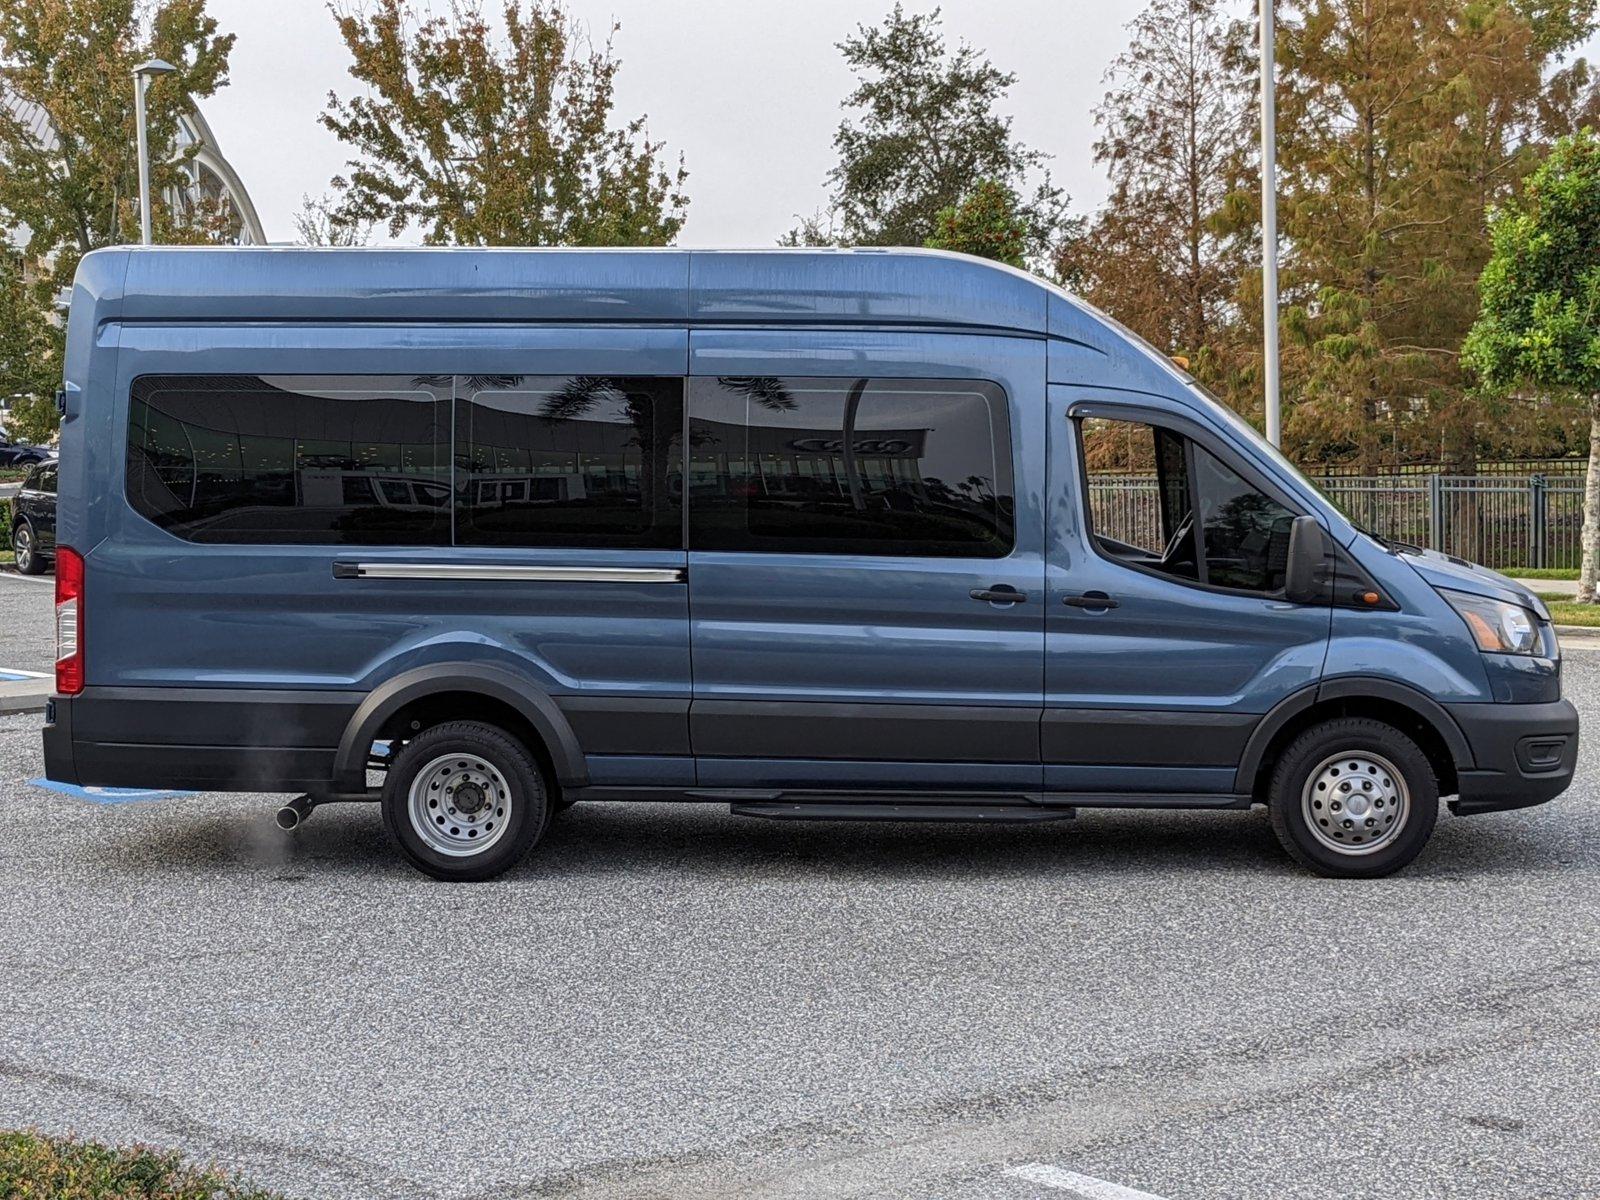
[
  {"x": 107, "y": 795},
  {"x": 16, "y": 674},
  {"x": 1086, "y": 1187}
]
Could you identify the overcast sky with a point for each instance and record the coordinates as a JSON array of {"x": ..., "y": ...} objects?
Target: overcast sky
[{"x": 747, "y": 90}]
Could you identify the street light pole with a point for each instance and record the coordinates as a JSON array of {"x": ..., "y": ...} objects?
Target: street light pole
[
  {"x": 142, "y": 74},
  {"x": 1269, "y": 222}
]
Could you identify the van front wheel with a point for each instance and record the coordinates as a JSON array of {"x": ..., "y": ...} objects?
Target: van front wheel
[
  {"x": 464, "y": 801},
  {"x": 1353, "y": 798}
]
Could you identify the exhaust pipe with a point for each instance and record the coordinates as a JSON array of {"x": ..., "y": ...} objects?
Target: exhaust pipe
[{"x": 292, "y": 814}]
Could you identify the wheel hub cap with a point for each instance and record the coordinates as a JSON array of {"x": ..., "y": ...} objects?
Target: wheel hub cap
[
  {"x": 1355, "y": 803},
  {"x": 470, "y": 799},
  {"x": 459, "y": 804}
]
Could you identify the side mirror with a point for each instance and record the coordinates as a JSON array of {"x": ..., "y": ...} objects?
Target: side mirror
[{"x": 1302, "y": 575}]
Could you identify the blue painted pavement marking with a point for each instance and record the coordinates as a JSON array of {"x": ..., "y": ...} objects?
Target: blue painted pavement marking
[
  {"x": 107, "y": 795},
  {"x": 19, "y": 676}
]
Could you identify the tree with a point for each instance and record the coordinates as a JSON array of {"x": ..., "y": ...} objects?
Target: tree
[
  {"x": 1401, "y": 121},
  {"x": 924, "y": 132},
  {"x": 320, "y": 223},
  {"x": 74, "y": 186},
  {"x": 68, "y": 167},
  {"x": 986, "y": 223},
  {"x": 30, "y": 362},
  {"x": 1177, "y": 128},
  {"x": 487, "y": 141},
  {"x": 1538, "y": 327}
]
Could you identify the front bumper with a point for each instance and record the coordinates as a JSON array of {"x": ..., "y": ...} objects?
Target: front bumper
[{"x": 1523, "y": 754}]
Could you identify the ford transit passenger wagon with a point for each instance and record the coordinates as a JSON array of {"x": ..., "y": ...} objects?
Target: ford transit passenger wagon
[{"x": 478, "y": 534}]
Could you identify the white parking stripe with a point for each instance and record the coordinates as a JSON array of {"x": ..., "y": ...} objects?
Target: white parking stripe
[
  {"x": 33, "y": 579},
  {"x": 1085, "y": 1186}
]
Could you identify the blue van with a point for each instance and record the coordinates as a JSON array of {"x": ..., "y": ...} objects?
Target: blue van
[{"x": 478, "y": 534}]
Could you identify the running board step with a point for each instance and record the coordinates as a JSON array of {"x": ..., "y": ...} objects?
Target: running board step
[{"x": 997, "y": 814}]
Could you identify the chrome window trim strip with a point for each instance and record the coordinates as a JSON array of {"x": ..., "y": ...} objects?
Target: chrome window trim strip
[{"x": 508, "y": 571}]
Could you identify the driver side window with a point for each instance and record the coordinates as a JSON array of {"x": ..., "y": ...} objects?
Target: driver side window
[{"x": 1160, "y": 502}]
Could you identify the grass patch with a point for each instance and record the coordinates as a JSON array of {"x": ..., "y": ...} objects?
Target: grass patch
[
  {"x": 1539, "y": 572},
  {"x": 1565, "y": 612},
  {"x": 36, "y": 1167},
  {"x": 7, "y": 559}
]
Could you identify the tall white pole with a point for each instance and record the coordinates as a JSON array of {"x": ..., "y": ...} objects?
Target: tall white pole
[
  {"x": 141, "y": 84},
  {"x": 141, "y": 81},
  {"x": 1269, "y": 221}
]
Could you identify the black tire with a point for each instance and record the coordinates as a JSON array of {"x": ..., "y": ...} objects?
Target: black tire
[
  {"x": 25, "y": 546},
  {"x": 1309, "y": 783},
  {"x": 486, "y": 752}
]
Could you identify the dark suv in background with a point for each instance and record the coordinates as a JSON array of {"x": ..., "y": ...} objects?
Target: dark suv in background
[
  {"x": 14, "y": 454},
  {"x": 33, "y": 519}
]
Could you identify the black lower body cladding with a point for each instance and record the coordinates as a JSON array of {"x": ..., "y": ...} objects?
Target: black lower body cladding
[
  {"x": 1523, "y": 754},
  {"x": 268, "y": 740},
  {"x": 214, "y": 739}
]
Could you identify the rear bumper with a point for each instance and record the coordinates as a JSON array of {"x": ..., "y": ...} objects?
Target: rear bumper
[
  {"x": 1524, "y": 754},
  {"x": 204, "y": 739}
]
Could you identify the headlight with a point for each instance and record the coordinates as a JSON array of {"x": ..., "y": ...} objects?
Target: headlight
[{"x": 1497, "y": 627}]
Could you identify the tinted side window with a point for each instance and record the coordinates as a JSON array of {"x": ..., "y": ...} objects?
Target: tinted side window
[
  {"x": 1139, "y": 495},
  {"x": 46, "y": 479},
  {"x": 570, "y": 461},
  {"x": 340, "y": 459},
  {"x": 850, "y": 466},
  {"x": 1145, "y": 486}
]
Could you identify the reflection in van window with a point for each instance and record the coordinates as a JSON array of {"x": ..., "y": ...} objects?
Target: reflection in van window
[
  {"x": 850, "y": 466},
  {"x": 339, "y": 459},
  {"x": 1145, "y": 484},
  {"x": 585, "y": 460}
]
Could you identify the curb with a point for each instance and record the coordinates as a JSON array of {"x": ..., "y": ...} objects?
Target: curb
[
  {"x": 12, "y": 703},
  {"x": 25, "y": 695},
  {"x": 1582, "y": 633}
]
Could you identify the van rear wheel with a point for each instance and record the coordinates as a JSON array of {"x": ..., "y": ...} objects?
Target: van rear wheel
[
  {"x": 1353, "y": 798},
  {"x": 465, "y": 801}
]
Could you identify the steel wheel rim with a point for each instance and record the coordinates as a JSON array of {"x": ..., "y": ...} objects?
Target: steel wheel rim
[
  {"x": 22, "y": 547},
  {"x": 459, "y": 804},
  {"x": 1355, "y": 803}
]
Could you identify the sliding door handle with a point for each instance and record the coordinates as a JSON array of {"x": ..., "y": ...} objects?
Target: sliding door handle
[
  {"x": 1000, "y": 593},
  {"x": 1089, "y": 600}
]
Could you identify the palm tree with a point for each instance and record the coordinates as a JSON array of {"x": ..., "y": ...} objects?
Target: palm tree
[{"x": 581, "y": 394}]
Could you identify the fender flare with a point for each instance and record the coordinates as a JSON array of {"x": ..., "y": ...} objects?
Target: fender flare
[
  {"x": 1291, "y": 706},
  {"x": 531, "y": 701}
]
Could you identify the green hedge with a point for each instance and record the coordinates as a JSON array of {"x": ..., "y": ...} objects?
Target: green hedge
[{"x": 35, "y": 1167}]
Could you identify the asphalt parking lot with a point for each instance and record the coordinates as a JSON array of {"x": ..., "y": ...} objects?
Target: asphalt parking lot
[
  {"x": 669, "y": 1001},
  {"x": 27, "y": 622}
]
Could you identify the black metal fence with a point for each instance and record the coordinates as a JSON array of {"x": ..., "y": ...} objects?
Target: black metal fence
[{"x": 1502, "y": 521}]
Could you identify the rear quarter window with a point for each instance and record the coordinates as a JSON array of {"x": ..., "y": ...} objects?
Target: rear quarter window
[{"x": 291, "y": 459}]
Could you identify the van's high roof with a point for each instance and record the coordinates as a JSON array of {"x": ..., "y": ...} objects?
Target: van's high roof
[{"x": 901, "y": 288}]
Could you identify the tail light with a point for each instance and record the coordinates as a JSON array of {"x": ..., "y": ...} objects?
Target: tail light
[{"x": 69, "y": 621}]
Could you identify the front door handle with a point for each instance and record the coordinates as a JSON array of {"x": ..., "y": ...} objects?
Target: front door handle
[
  {"x": 1089, "y": 600},
  {"x": 1000, "y": 593}
]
